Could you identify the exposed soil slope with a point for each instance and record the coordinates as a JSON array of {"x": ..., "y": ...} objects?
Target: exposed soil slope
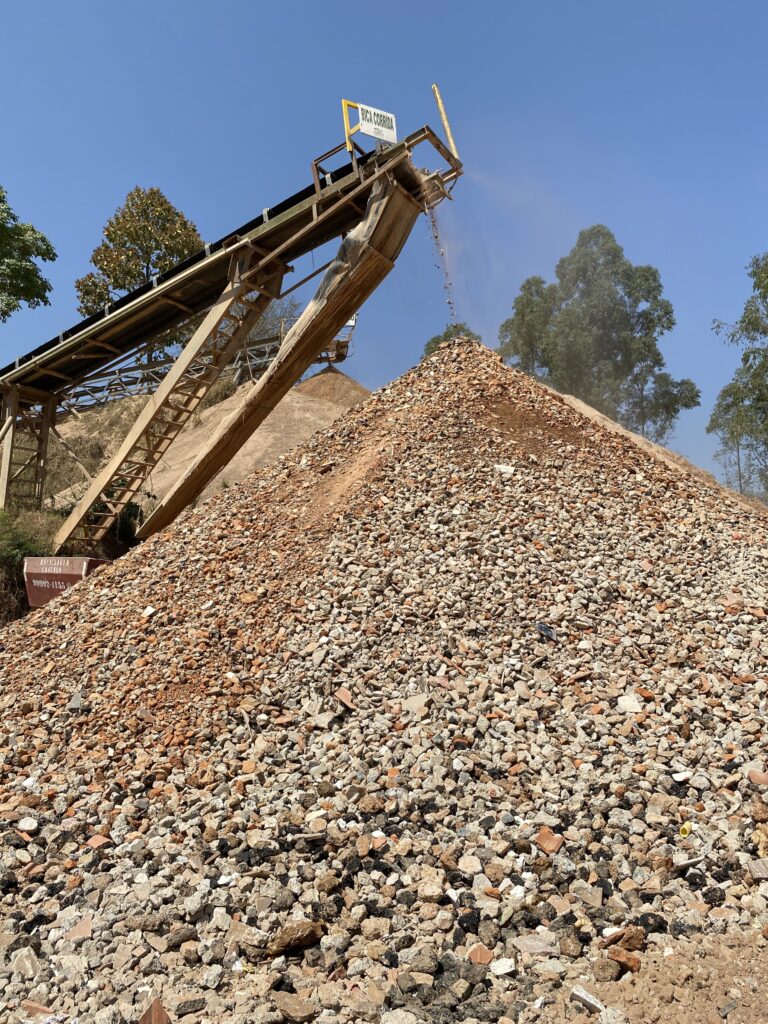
[{"x": 312, "y": 405}]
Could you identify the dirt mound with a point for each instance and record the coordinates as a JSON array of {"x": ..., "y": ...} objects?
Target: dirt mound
[
  {"x": 313, "y": 405},
  {"x": 457, "y": 705},
  {"x": 703, "y": 980},
  {"x": 332, "y": 385}
]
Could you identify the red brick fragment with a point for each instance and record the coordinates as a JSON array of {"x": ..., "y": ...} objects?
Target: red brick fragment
[
  {"x": 480, "y": 954},
  {"x": 547, "y": 840},
  {"x": 626, "y": 959}
]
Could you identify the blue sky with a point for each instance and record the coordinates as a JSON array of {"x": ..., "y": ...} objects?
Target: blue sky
[{"x": 648, "y": 117}]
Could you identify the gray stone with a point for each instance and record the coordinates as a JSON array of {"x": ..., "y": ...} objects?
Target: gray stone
[
  {"x": 629, "y": 703},
  {"x": 536, "y": 944},
  {"x": 189, "y": 1002},
  {"x": 759, "y": 869},
  {"x": 612, "y": 1016},
  {"x": 550, "y": 966},
  {"x": 25, "y": 962},
  {"x": 503, "y": 966},
  {"x": 586, "y": 999}
]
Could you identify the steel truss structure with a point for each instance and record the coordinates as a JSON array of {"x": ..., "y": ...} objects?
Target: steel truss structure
[
  {"x": 144, "y": 371},
  {"x": 220, "y": 294}
]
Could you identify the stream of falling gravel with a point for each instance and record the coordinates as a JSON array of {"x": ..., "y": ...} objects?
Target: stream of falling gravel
[{"x": 441, "y": 264}]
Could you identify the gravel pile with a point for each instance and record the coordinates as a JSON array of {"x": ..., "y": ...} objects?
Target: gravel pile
[{"x": 457, "y": 706}]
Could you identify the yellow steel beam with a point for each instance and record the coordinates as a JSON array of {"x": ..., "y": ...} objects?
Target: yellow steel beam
[
  {"x": 444, "y": 119},
  {"x": 349, "y": 130}
]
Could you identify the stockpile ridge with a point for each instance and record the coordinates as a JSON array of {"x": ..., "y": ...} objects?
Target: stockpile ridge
[{"x": 461, "y": 700}]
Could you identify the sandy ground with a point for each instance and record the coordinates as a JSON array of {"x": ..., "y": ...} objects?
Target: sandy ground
[
  {"x": 702, "y": 980},
  {"x": 310, "y": 406},
  {"x": 307, "y": 408}
]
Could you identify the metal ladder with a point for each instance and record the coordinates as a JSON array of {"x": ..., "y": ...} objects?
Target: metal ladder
[{"x": 212, "y": 347}]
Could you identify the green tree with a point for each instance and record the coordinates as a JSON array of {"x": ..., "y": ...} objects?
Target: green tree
[
  {"x": 740, "y": 416},
  {"x": 751, "y": 329},
  {"x": 21, "y": 281},
  {"x": 594, "y": 333},
  {"x": 653, "y": 400},
  {"x": 144, "y": 237},
  {"x": 453, "y": 332},
  {"x": 731, "y": 422},
  {"x": 521, "y": 335}
]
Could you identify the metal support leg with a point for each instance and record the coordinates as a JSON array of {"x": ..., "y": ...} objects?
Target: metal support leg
[
  {"x": 23, "y": 462},
  {"x": 47, "y": 422},
  {"x": 8, "y": 431}
]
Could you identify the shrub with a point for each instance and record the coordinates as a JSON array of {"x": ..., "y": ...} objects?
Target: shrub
[{"x": 21, "y": 535}]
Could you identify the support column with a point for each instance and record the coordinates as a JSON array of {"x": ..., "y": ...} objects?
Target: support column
[
  {"x": 47, "y": 423},
  {"x": 8, "y": 434}
]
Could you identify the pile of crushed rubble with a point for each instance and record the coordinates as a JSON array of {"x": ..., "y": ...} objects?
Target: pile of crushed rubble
[{"x": 458, "y": 707}]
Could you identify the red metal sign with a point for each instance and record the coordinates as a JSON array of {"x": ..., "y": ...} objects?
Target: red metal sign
[{"x": 46, "y": 578}]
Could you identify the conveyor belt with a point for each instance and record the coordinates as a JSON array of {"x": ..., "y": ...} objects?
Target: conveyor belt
[
  {"x": 223, "y": 290},
  {"x": 193, "y": 285}
]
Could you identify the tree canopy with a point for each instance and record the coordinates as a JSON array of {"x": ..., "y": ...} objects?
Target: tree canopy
[
  {"x": 144, "y": 237},
  {"x": 453, "y": 332},
  {"x": 751, "y": 329},
  {"x": 21, "y": 280},
  {"x": 594, "y": 333},
  {"x": 740, "y": 416},
  {"x": 740, "y": 422}
]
